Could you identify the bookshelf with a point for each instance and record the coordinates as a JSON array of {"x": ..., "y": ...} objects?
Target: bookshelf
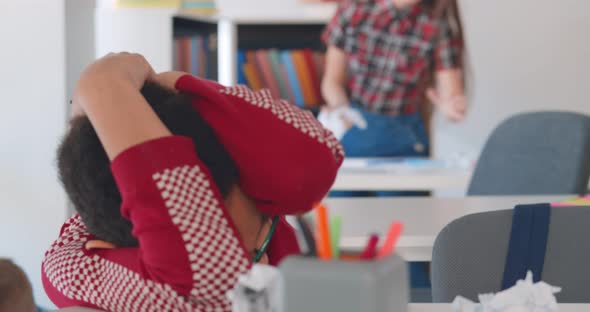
[{"x": 151, "y": 31}]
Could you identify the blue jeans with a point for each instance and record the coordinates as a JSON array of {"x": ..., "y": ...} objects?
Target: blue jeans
[{"x": 385, "y": 136}]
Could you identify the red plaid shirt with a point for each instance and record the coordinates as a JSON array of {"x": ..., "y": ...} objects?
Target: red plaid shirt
[{"x": 389, "y": 50}]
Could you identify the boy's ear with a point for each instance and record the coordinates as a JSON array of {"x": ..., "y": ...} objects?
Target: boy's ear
[{"x": 98, "y": 244}]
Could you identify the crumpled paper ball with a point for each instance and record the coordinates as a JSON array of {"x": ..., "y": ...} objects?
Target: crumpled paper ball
[{"x": 525, "y": 296}]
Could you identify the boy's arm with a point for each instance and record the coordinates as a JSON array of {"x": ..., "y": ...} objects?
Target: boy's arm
[
  {"x": 190, "y": 254},
  {"x": 287, "y": 160},
  {"x": 108, "y": 93}
]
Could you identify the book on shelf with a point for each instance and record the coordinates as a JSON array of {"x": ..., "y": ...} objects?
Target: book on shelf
[
  {"x": 241, "y": 77},
  {"x": 304, "y": 77},
  {"x": 194, "y": 6},
  {"x": 275, "y": 61},
  {"x": 294, "y": 75},
  {"x": 270, "y": 80},
  {"x": 199, "y": 6},
  {"x": 148, "y": 3},
  {"x": 196, "y": 54},
  {"x": 287, "y": 60}
]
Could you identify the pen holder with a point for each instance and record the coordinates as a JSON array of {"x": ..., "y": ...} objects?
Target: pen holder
[{"x": 338, "y": 286}]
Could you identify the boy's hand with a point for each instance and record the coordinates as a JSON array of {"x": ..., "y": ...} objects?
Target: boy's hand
[
  {"x": 120, "y": 67},
  {"x": 169, "y": 79}
]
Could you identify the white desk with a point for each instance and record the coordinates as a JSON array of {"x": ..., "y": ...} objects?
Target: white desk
[
  {"x": 446, "y": 307},
  {"x": 423, "y": 217},
  {"x": 401, "y": 174}
]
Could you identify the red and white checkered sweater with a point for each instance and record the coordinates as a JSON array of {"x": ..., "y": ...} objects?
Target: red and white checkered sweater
[{"x": 190, "y": 254}]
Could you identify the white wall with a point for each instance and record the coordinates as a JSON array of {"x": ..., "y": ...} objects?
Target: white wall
[
  {"x": 80, "y": 47},
  {"x": 32, "y": 117},
  {"x": 526, "y": 55}
]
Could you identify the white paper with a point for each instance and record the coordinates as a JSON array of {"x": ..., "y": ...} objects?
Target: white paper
[
  {"x": 525, "y": 296},
  {"x": 259, "y": 290},
  {"x": 332, "y": 120}
]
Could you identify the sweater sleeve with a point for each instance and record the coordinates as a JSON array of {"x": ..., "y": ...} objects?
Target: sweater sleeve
[
  {"x": 287, "y": 160},
  {"x": 189, "y": 252}
]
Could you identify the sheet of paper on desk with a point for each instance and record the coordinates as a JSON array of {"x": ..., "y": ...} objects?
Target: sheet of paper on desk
[{"x": 393, "y": 164}]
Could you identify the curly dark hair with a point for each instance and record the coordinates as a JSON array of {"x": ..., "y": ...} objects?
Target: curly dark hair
[{"x": 84, "y": 168}]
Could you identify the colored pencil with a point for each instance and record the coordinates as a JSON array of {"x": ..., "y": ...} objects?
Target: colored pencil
[
  {"x": 335, "y": 229},
  {"x": 393, "y": 234},
  {"x": 370, "y": 251},
  {"x": 323, "y": 232}
]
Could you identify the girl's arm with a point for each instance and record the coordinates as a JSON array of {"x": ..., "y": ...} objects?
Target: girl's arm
[{"x": 334, "y": 80}]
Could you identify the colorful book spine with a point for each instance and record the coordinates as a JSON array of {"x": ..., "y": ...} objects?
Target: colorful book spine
[
  {"x": 194, "y": 64},
  {"x": 266, "y": 70},
  {"x": 199, "y": 6},
  {"x": 184, "y": 54},
  {"x": 211, "y": 57},
  {"x": 196, "y": 55},
  {"x": 315, "y": 77},
  {"x": 251, "y": 59},
  {"x": 275, "y": 62},
  {"x": 147, "y": 3},
  {"x": 252, "y": 76},
  {"x": 304, "y": 77},
  {"x": 292, "y": 77},
  {"x": 285, "y": 77},
  {"x": 240, "y": 70},
  {"x": 202, "y": 56}
]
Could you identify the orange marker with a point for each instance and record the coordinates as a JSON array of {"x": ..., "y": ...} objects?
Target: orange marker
[
  {"x": 323, "y": 233},
  {"x": 395, "y": 230}
]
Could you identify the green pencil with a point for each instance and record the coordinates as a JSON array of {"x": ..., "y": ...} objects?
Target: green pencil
[{"x": 335, "y": 229}]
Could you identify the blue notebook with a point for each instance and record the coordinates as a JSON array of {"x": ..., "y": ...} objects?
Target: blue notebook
[{"x": 292, "y": 75}]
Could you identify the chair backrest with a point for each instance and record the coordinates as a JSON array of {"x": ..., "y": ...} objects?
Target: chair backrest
[
  {"x": 469, "y": 255},
  {"x": 535, "y": 153}
]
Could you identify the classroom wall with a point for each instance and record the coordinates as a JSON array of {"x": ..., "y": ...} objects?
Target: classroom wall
[
  {"x": 32, "y": 117},
  {"x": 526, "y": 55},
  {"x": 80, "y": 47}
]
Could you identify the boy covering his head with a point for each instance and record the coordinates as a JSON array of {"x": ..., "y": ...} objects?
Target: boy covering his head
[{"x": 179, "y": 184}]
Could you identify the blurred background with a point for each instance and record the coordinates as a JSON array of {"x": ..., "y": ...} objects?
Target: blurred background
[{"x": 523, "y": 55}]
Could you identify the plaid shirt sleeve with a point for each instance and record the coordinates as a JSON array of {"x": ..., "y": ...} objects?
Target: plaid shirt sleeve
[
  {"x": 447, "y": 48},
  {"x": 334, "y": 34}
]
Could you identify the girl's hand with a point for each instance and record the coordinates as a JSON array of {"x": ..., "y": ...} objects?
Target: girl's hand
[{"x": 454, "y": 107}]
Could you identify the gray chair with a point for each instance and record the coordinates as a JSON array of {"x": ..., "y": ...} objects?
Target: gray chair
[
  {"x": 535, "y": 153},
  {"x": 469, "y": 255}
]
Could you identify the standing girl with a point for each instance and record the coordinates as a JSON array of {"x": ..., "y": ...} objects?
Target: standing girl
[{"x": 388, "y": 58}]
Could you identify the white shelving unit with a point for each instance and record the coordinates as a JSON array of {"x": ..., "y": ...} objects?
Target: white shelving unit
[{"x": 150, "y": 31}]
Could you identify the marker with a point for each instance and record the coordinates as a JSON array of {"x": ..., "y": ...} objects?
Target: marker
[
  {"x": 393, "y": 234},
  {"x": 370, "y": 250},
  {"x": 323, "y": 233},
  {"x": 335, "y": 230}
]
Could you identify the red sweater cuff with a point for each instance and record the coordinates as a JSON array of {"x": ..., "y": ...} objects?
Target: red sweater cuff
[{"x": 137, "y": 164}]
